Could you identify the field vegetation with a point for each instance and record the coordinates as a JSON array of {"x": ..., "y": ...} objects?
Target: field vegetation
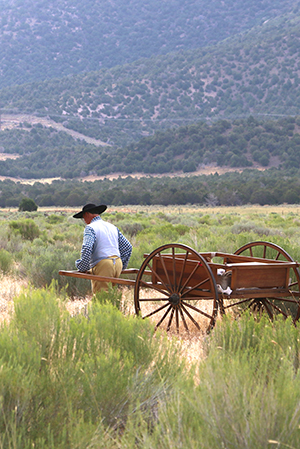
[{"x": 97, "y": 376}]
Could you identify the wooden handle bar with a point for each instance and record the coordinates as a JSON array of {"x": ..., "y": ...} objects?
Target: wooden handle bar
[{"x": 78, "y": 274}]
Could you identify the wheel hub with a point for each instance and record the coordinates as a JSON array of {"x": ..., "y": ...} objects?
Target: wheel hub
[{"x": 174, "y": 299}]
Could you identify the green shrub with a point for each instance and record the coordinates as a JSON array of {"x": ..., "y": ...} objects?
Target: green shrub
[
  {"x": 42, "y": 264},
  {"x": 27, "y": 204},
  {"x": 130, "y": 229},
  {"x": 64, "y": 382},
  {"x": 112, "y": 296},
  {"x": 6, "y": 261},
  {"x": 55, "y": 219},
  {"x": 27, "y": 228},
  {"x": 251, "y": 227}
]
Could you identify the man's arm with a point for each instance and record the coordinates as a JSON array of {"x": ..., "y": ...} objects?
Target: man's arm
[
  {"x": 89, "y": 238},
  {"x": 125, "y": 249}
]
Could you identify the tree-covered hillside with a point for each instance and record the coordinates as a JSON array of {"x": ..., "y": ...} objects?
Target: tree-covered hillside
[
  {"x": 46, "y": 152},
  {"x": 256, "y": 73},
  {"x": 241, "y": 143},
  {"x": 50, "y": 39}
]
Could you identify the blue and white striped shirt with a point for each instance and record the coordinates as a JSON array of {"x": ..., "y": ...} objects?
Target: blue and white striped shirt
[{"x": 89, "y": 239}]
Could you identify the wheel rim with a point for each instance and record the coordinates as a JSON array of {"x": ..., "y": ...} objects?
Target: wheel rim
[
  {"x": 175, "y": 288},
  {"x": 285, "y": 306}
]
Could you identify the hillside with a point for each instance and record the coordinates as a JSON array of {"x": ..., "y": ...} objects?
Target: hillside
[
  {"x": 51, "y": 39},
  {"x": 256, "y": 73},
  {"x": 45, "y": 152}
]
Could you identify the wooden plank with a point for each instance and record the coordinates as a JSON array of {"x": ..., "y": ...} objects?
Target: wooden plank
[
  {"x": 78, "y": 274},
  {"x": 278, "y": 293},
  {"x": 259, "y": 275}
]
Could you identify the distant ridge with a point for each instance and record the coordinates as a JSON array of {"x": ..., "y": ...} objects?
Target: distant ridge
[
  {"x": 51, "y": 39},
  {"x": 256, "y": 73},
  {"x": 233, "y": 104}
]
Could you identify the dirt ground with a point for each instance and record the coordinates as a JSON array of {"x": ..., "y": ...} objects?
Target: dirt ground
[{"x": 11, "y": 287}]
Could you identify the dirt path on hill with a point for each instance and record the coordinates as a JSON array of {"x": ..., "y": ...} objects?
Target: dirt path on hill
[{"x": 10, "y": 121}]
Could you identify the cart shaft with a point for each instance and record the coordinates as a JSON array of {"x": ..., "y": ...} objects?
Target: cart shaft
[{"x": 78, "y": 274}]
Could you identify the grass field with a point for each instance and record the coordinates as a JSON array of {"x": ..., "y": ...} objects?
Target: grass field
[
  {"x": 78, "y": 373},
  {"x": 208, "y": 228}
]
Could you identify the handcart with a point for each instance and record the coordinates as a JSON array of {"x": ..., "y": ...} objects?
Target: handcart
[{"x": 182, "y": 290}]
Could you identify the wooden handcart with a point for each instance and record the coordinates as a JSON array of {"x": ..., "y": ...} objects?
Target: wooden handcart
[{"x": 182, "y": 290}]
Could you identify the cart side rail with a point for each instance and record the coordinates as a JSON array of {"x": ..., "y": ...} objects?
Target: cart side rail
[{"x": 230, "y": 258}]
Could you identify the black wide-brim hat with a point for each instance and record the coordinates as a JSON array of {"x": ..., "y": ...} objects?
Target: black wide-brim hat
[{"x": 92, "y": 209}]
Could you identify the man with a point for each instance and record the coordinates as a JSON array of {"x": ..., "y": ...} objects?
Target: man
[{"x": 105, "y": 251}]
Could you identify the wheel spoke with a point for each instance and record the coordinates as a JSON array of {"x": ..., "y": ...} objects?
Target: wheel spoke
[
  {"x": 170, "y": 320},
  {"x": 265, "y": 251},
  {"x": 190, "y": 317},
  {"x": 183, "y": 319},
  {"x": 183, "y": 269},
  {"x": 266, "y": 304},
  {"x": 177, "y": 321},
  {"x": 251, "y": 303},
  {"x": 166, "y": 271},
  {"x": 194, "y": 287},
  {"x": 164, "y": 316},
  {"x": 154, "y": 287},
  {"x": 293, "y": 301},
  {"x": 237, "y": 303},
  {"x": 276, "y": 307},
  {"x": 153, "y": 299},
  {"x": 205, "y": 294},
  {"x": 157, "y": 310},
  {"x": 158, "y": 277},
  {"x": 197, "y": 310}
]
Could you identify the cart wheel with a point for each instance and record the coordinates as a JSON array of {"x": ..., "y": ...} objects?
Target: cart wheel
[
  {"x": 176, "y": 288},
  {"x": 286, "y": 306}
]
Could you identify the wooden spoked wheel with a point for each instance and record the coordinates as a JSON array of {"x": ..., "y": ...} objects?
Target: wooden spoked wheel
[
  {"x": 175, "y": 288},
  {"x": 285, "y": 306}
]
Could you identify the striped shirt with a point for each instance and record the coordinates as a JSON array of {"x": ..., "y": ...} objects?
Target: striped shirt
[{"x": 89, "y": 239}]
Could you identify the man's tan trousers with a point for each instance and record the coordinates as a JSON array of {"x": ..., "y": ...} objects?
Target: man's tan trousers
[{"x": 110, "y": 267}]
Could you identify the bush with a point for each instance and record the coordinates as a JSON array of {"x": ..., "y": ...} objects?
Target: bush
[
  {"x": 130, "y": 229},
  {"x": 64, "y": 382},
  {"x": 6, "y": 261},
  {"x": 27, "y": 204},
  {"x": 43, "y": 264},
  {"x": 54, "y": 219},
  {"x": 26, "y": 228},
  {"x": 112, "y": 296}
]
